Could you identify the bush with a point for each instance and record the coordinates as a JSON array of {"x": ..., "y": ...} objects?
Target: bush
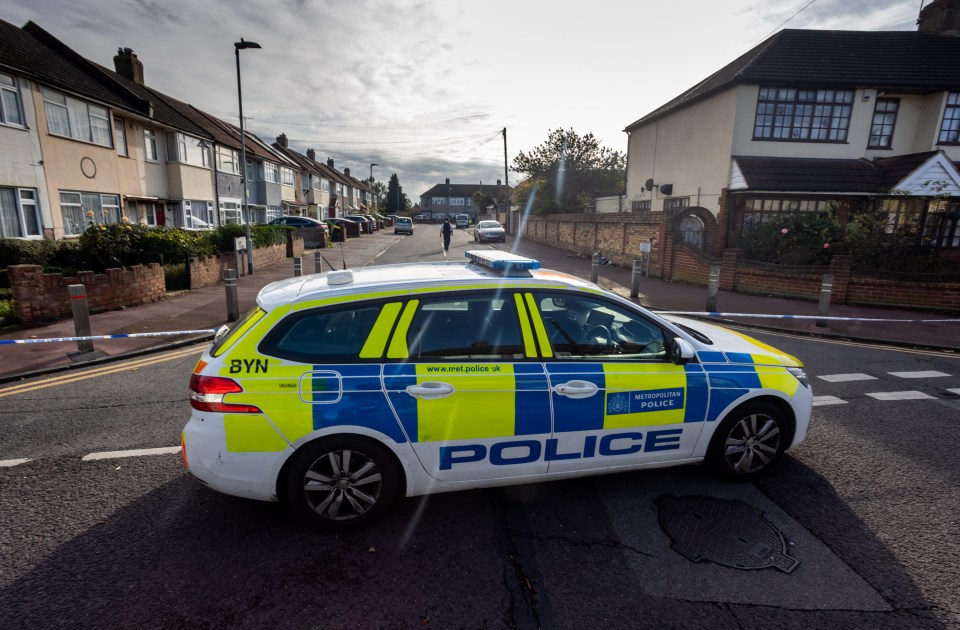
[
  {"x": 7, "y": 315},
  {"x": 797, "y": 240}
]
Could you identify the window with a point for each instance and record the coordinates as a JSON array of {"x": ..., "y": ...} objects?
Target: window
[
  {"x": 153, "y": 214},
  {"x": 230, "y": 212},
  {"x": 197, "y": 215},
  {"x": 757, "y": 211},
  {"x": 324, "y": 335},
  {"x": 150, "y": 145},
  {"x": 940, "y": 229},
  {"x": 676, "y": 203},
  {"x": 78, "y": 209},
  {"x": 11, "y": 111},
  {"x": 641, "y": 205},
  {"x": 439, "y": 201},
  {"x": 584, "y": 327},
  {"x": 950, "y": 129},
  {"x": 273, "y": 212},
  {"x": 120, "y": 137},
  {"x": 73, "y": 118},
  {"x": 271, "y": 172},
  {"x": 456, "y": 201},
  {"x": 228, "y": 160},
  {"x": 474, "y": 326},
  {"x": 803, "y": 115},
  {"x": 326, "y": 185},
  {"x": 286, "y": 176},
  {"x": 884, "y": 119},
  {"x": 19, "y": 213},
  {"x": 187, "y": 150}
]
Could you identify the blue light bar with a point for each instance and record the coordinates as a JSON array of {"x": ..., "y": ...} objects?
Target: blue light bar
[{"x": 501, "y": 261}]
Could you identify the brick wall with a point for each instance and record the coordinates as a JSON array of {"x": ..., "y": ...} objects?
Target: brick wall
[
  {"x": 41, "y": 297},
  {"x": 616, "y": 236},
  {"x": 206, "y": 271}
]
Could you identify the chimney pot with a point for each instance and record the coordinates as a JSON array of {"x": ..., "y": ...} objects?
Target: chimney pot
[
  {"x": 330, "y": 162},
  {"x": 127, "y": 65},
  {"x": 448, "y": 181},
  {"x": 282, "y": 140},
  {"x": 346, "y": 172}
]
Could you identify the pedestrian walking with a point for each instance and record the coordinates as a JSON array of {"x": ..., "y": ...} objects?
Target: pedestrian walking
[{"x": 446, "y": 230}]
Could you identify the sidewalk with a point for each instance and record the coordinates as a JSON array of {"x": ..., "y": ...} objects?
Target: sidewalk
[{"x": 205, "y": 308}]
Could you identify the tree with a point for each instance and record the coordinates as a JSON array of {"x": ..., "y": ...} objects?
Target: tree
[
  {"x": 396, "y": 201},
  {"x": 483, "y": 201},
  {"x": 566, "y": 172}
]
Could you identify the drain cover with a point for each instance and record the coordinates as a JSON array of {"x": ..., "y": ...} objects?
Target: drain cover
[{"x": 731, "y": 533}]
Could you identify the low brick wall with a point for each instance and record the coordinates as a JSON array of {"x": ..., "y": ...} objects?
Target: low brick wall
[
  {"x": 617, "y": 236},
  {"x": 42, "y": 297},
  {"x": 207, "y": 271}
]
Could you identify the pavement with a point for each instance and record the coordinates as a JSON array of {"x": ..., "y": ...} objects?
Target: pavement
[{"x": 206, "y": 309}]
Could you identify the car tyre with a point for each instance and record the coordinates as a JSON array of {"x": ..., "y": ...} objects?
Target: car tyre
[
  {"x": 342, "y": 482},
  {"x": 749, "y": 441}
]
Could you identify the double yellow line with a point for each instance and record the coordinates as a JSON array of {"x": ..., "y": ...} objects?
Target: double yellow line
[{"x": 122, "y": 366}]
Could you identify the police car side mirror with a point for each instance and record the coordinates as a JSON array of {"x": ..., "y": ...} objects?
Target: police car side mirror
[{"x": 681, "y": 351}]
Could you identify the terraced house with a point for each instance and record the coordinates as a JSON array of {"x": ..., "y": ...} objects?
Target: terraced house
[{"x": 82, "y": 144}]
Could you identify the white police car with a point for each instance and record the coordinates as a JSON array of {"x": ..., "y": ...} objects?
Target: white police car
[{"x": 344, "y": 390}]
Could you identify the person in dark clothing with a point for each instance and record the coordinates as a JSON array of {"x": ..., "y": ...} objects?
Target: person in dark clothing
[{"x": 446, "y": 230}]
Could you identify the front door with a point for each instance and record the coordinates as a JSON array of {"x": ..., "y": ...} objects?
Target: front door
[{"x": 617, "y": 400}]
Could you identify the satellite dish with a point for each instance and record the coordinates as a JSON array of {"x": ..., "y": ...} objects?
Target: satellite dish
[{"x": 648, "y": 184}]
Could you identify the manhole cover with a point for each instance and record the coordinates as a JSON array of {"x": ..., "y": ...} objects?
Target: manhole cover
[{"x": 731, "y": 533}]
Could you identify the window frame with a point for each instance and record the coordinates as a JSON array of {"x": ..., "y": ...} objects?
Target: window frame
[
  {"x": 780, "y": 108},
  {"x": 883, "y": 125},
  {"x": 950, "y": 124},
  {"x": 12, "y": 88},
  {"x": 151, "y": 148},
  {"x": 83, "y": 204},
  {"x": 228, "y": 156},
  {"x": 21, "y": 207},
  {"x": 120, "y": 137},
  {"x": 78, "y": 119}
]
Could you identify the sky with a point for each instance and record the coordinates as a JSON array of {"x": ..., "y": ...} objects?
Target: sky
[{"x": 424, "y": 88}]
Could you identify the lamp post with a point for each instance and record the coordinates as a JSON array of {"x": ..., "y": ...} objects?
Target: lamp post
[
  {"x": 237, "y": 46},
  {"x": 373, "y": 198}
]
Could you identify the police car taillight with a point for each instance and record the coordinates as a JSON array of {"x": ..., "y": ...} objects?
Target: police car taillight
[{"x": 207, "y": 392}]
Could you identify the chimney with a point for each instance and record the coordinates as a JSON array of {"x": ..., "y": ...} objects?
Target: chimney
[
  {"x": 346, "y": 172},
  {"x": 498, "y": 182},
  {"x": 311, "y": 155},
  {"x": 448, "y": 181},
  {"x": 127, "y": 65},
  {"x": 282, "y": 140},
  {"x": 941, "y": 17},
  {"x": 330, "y": 162}
]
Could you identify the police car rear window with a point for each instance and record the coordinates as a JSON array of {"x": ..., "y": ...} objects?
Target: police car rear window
[{"x": 322, "y": 335}]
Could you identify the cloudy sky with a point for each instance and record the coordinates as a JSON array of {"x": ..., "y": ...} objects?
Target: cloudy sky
[{"x": 423, "y": 88}]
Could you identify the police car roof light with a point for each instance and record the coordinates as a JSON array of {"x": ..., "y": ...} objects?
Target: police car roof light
[{"x": 500, "y": 261}]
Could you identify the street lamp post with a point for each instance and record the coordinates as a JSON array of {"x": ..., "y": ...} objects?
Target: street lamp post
[
  {"x": 237, "y": 46},
  {"x": 373, "y": 197}
]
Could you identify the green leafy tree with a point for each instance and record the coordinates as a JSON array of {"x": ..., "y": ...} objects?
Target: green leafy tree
[
  {"x": 396, "y": 202},
  {"x": 567, "y": 171}
]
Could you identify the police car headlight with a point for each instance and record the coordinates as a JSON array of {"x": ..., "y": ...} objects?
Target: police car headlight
[{"x": 800, "y": 375}]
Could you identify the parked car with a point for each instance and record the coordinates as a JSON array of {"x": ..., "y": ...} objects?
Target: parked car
[
  {"x": 364, "y": 222},
  {"x": 403, "y": 225},
  {"x": 377, "y": 225},
  {"x": 294, "y": 221},
  {"x": 489, "y": 231},
  {"x": 343, "y": 391},
  {"x": 341, "y": 229}
]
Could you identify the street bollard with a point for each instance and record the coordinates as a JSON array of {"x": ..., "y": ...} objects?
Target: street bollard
[
  {"x": 713, "y": 287},
  {"x": 635, "y": 278},
  {"x": 317, "y": 262},
  {"x": 297, "y": 266},
  {"x": 825, "y": 289},
  {"x": 81, "y": 316},
  {"x": 233, "y": 304},
  {"x": 595, "y": 267}
]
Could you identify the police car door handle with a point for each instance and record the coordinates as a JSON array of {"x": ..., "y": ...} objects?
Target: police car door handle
[
  {"x": 576, "y": 389},
  {"x": 430, "y": 389}
]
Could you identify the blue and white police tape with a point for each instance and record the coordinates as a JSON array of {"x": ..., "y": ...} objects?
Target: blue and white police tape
[
  {"x": 817, "y": 317},
  {"x": 204, "y": 331}
]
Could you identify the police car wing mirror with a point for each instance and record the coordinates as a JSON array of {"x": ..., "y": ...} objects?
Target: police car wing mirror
[{"x": 681, "y": 351}]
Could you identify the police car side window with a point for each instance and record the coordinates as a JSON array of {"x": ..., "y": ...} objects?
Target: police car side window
[
  {"x": 474, "y": 326},
  {"x": 322, "y": 335},
  {"x": 585, "y": 328}
]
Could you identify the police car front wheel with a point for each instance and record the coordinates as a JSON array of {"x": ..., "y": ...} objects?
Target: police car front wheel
[
  {"x": 341, "y": 482},
  {"x": 749, "y": 441}
]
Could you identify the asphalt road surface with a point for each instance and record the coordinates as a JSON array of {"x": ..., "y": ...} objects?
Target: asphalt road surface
[{"x": 102, "y": 527}]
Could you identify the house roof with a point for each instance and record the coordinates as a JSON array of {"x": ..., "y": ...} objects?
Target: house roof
[
  {"x": 850, "y": 176},
  {"x": 464, "y": 190},
  {"x": 33, "y": 53},
  {"x": 896, "y": 61}
]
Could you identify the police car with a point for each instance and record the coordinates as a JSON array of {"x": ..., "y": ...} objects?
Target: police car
[{"x": 343, "y": 391}]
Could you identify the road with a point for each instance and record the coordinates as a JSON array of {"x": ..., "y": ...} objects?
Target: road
[{"x": 101, "y": 526}]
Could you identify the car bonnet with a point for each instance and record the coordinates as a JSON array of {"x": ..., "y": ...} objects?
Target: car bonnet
[{"x": 732, "y": 343}]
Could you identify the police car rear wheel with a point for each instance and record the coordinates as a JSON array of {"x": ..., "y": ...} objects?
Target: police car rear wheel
[
  {"x": 749, "y": 441},
  {"x": 341, "y": 482}
]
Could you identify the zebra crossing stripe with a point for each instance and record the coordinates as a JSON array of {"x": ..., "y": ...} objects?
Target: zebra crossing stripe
[
  {"x": 920, "y": 374},
  {"x": 907, "y": 395},
  {"x": 819, "y": 401},
  {"x": 843, "y": 378}
]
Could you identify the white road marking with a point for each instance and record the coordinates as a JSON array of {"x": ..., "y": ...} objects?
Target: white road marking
[
  {"x": 843, "y": 378},
  {"x": 827, "y": 400},
  {"x": 954, "y": 390},
  {"x": 927, "y": 374},
  {"x": 134, "y": 453},
  {"x": 7, "y": 463},
  {"x": 908, "y": 395}
]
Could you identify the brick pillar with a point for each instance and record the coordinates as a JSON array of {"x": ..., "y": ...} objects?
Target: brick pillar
[
  {"x": 728, "y": 268},
  {"x": 28, "y": 291},
  {"x": 723, "y": 217},
  {"x": 841, "y": 268}
]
